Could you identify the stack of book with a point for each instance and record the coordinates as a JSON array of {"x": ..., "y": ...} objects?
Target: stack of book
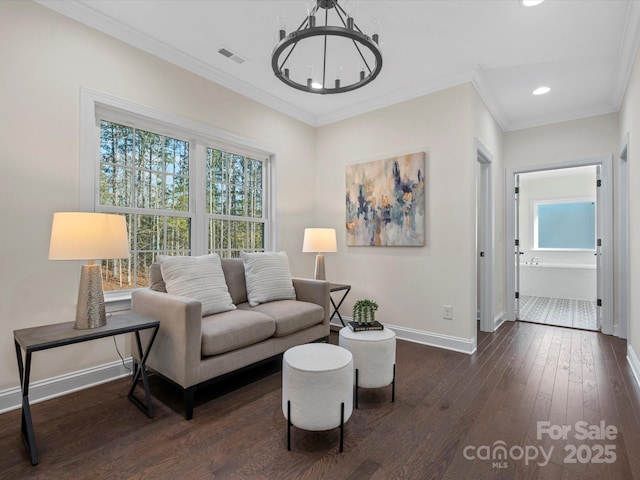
[{"x": 363, "y": 327}]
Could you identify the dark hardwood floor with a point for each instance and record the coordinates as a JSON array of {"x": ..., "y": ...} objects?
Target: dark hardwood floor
[{"x": 452, "y": 414}]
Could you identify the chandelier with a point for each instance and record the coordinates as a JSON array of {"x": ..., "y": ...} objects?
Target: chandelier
[{"x": 335, "y": 57}]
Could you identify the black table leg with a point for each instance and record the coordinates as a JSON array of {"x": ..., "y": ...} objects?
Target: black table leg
[
  {"x": 26, "y": 430},
  {"x": 336, "y": 308},
  {"x": 140, "y": 370}
]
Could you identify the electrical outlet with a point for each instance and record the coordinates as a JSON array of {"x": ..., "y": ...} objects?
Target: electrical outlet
[{"x": 447, "y": 312}]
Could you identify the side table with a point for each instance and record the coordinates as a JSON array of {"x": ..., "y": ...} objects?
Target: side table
[
  {"x": 337, "y": 287},
  {"x": 374, "y": 358},
  {"x": 57, "y": 335},
  {"x": 317, "y": 388}
]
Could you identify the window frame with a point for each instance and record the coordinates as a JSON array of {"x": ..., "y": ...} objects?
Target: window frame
[
  {"x": 535, "y": 224},
  {"x": 95, "y": 105}
]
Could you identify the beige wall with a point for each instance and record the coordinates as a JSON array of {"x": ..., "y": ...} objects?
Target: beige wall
[
  {"x": 560, "y": 142},
  {"x": 46, "y": 58},
  {"x": 630, "y": 122},
  {"x": 411, "y": 284}
]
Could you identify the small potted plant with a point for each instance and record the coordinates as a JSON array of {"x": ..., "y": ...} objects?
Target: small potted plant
[{"x": 364, "y": 311}]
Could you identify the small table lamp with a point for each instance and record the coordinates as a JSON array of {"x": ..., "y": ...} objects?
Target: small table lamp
[
  {"x": 89, "y": 236},
  {"x": 319, "y": 240}
]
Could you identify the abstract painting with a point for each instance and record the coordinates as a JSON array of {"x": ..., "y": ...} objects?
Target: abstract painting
[{"x": 386, "y": 202}]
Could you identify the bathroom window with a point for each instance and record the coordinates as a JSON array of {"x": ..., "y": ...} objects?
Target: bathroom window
[{"x": 564, "y": 224}]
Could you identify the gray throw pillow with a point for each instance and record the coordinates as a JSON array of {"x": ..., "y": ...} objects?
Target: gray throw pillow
[{"x": 268, "y": 277}]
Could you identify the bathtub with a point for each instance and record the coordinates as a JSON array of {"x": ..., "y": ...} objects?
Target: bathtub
[{"x": 559, "y": 280}]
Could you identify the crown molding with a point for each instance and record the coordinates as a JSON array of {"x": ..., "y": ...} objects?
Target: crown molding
[
  {"x": 628, "y": 49},
  {"x": 480, "y": 83},
  {"x": 86, "y": 15},
  {"x": 391, "y": 99},
  {"x": 553, "y": 119}
]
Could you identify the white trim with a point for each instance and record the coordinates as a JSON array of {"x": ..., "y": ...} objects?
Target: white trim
[
  {"x": 82, "y": 12},
  {"x": 390, "y": 98},
  {"x": 94, "y": 103},
  {"x": 11, "y": 399},
  {"x": 481, "y": 84},
  {"x": 499, "y": 320},
  {"x": 447, "y": 342},
  {"x": 628, "y": 48},
  {"x": 606, "y": 272},
  {"x": 106, "y": 101},
  {"x": 634, "y": 363},
  {"x": 623, "y": 295},
  {"x": 485, "y": 226}
]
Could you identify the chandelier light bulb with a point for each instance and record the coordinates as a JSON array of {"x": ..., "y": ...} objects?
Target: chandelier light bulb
[{"x": 282, "y": 26}]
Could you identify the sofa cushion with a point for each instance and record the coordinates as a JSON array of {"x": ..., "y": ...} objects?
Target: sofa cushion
[
  {"x": 268, "y": 277},
  {"x": 229, "y": 331},
  {"x": 233, "y": 269},
  {"x": 290, "y": 316},
  {"x": 200, "y": 278},
  {"x": 156, "y": 282}
]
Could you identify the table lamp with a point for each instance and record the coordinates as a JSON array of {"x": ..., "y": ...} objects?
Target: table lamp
[
  {"x": 89, "y": 236},
  {"x": 319, "y": 240}
]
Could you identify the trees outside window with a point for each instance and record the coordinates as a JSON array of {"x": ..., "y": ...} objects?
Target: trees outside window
[{"x": 150, "y": 178}]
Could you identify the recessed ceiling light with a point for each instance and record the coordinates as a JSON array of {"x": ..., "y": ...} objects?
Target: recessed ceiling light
[
  {"x": 531, "y": 3},
  {"x": 541, "y": 90}
]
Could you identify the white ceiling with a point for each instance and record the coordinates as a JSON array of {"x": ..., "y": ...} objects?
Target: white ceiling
[{"x": 582, "y": 49}]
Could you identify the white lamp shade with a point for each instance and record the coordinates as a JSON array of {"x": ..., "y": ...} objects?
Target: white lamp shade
[
  {"x": 88, "y": 236},
  {"x": 319, "y": 240}
]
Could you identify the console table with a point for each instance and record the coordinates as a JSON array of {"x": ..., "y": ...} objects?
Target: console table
[
  {"x": 337, "y": 287},
  {"x": 45, "y": 337}
]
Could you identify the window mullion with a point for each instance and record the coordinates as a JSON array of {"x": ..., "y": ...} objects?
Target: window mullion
[{"x": 198, "y": 200}]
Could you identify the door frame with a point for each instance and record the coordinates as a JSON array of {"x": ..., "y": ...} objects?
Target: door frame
[
  {"x": 621, "y": 323},
  {"x": 605, "y": 162},
  {"x": 485, "y": 225}
]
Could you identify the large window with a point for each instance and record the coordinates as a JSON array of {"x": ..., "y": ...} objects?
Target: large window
[
  {"x": 153, "y": 176},
  {"x": 564, "y": 224}
]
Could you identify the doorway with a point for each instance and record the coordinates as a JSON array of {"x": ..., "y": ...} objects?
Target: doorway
[
  {"x": 601, "y": 251},
  {"x": 557, "y": 232},
  {"x": 484, "y": 238}
]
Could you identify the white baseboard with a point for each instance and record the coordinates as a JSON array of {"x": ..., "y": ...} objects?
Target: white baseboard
[
  {"x": 457, "y": 344},
  {"x": 634, "y": 363},
  {"x": 11, "y": 399},
  {"x": 499, "y": 320}
]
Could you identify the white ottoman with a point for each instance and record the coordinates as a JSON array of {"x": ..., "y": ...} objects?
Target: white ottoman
[
  {"x": 374, "y": 358},
  {"x": 317, "y": 388}
]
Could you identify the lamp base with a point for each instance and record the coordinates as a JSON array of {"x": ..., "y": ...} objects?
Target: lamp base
[
  {"x": 90, "y": 312},
  {"x": 318, "y": 273}
]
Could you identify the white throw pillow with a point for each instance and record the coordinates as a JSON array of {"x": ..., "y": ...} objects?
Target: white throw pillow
[
  {"x": 268, "y": 277},
  {"x": 200, "y": 278}
]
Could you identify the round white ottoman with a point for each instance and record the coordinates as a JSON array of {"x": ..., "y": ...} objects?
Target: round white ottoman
[
  {"x": 374, "y": 358},
  {"x": 317, "y": 388}
]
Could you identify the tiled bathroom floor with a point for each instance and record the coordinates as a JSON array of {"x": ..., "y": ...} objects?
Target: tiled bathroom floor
[{"x": 559, "y": 311}]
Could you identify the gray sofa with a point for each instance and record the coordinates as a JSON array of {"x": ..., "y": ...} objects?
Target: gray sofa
[{"x": 192, "y": 351}]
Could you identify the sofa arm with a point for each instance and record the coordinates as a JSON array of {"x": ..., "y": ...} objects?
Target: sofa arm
[
  {"x": 177, "y": 347},
  {"x": 314, "y": 291}
]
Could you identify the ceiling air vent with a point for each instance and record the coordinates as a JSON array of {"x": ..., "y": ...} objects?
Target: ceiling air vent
[{"x": 231, "y": 55}]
